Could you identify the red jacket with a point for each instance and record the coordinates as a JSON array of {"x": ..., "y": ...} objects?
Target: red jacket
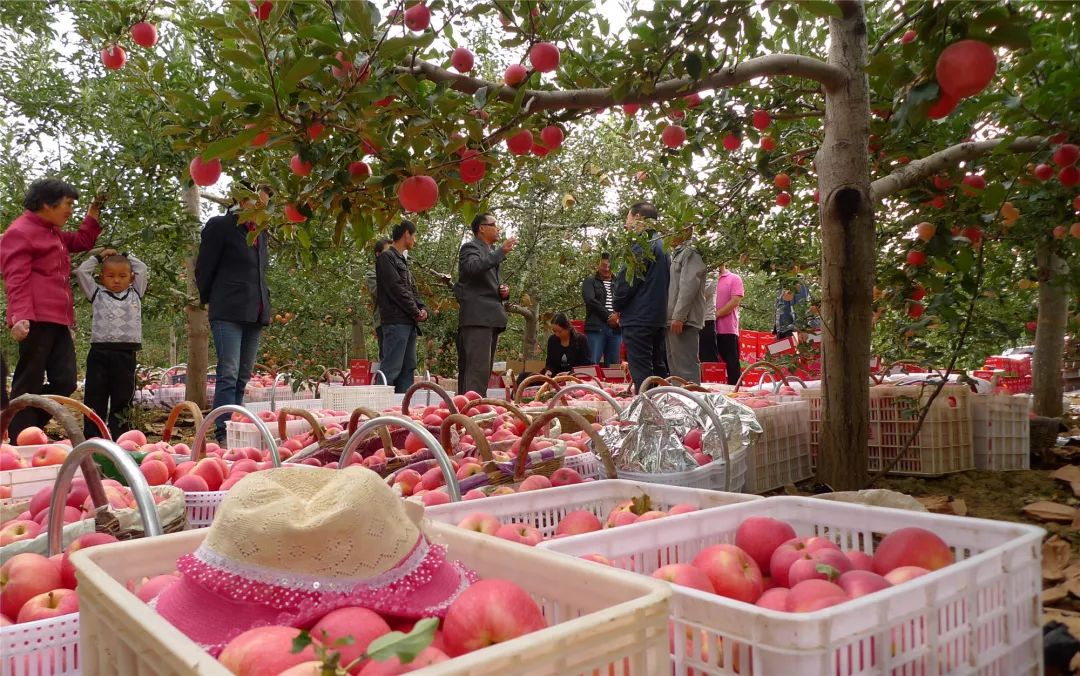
[{"x": 36, "y": 267}]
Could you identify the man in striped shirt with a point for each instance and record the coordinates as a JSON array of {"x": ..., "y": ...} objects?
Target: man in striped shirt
[{"x": 601, "y": 320}]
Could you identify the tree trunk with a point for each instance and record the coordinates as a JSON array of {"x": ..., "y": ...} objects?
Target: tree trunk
[
  {"x": 1050, "y": 331},
  {"x": 529, "y": 345},
  {"x": 198, "y": 328},
  {"x": 847, "y": 260},
  {"x": 358, "y": 349}
]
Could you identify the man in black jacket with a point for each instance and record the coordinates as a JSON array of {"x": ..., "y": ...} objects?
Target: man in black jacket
[
  {"x": 231, "y": 275},
  {"x": 400, "y": 308},
  {"x": 642, "y": 301},
  {"x": 601, "y": 320},
  {"x": 480, "y": 294}
]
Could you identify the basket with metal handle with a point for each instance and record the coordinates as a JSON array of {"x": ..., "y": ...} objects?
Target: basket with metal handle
[
  {"x": 519, "y": 393},
  {"x": 439, "y": 457},
  {"x": 170, "y": 424}
]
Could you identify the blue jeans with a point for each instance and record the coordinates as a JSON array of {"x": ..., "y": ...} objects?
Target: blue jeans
[
  {"x": 237, "y": 346},
  {"x": 604, "y": 344},
  {"x": 399, "y": 355}
]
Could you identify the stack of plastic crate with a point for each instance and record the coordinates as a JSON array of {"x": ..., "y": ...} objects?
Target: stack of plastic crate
[
  {"x": 781, "y": 453},
  {"x": 1000, "y": 431}
]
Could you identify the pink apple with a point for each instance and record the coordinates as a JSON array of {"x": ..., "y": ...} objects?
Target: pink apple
[
  {"x": 503, "y": 490},
  {"x": 599, "y": 558},
  {"x": 31, "y": 436},
  {"x": 53, "y": 603},
  {"x": 682, "y": 508},
  {"x": 264, "y": 650},
  {"x": 191, "y": 483},
  {"x": 243, "y": 466},
  {"x": 911, "y": 547},
  {"x": 651, "y": 515},
  {"x": 487, "y": 612},
  {"x": 432, "y": 479},
  {"x": 361, "y": 624},
  {"x": 40, "y": 500},
  {"x": 14, "y": 531},
  {"x": 732, "y": 572},
  {"x": 520, "y": 532},
  {"x": 774, "y": 599},
  {"x": 790, "y": 551},
  {"x": 67, "y": 571},
  {"x": 481, "y": 522},
  {"x": 393, "y": 666},
  {"x": 686, "y": 575},
  {"x": 23, "y": 577},
  {"x": 565, "y": 476},
  {"x": 860, "y": 560},
  {"x": 693, "y": 439},
  {"x": 233, "y": 479},
  {"x": 432, "y": 498},
  {"x": 182, "y": 470},
  {"x": 49, "y": 455},
  {"x": 905, "y": 573},
  {"x": 163, "y": 457},
  {"x": 71, "y": 515},
  {"x": 474, "y": 494},
  {"x": 621, "y": 518},
  {"x": 578, "y": 522},
  {"x": 152, "y": 587},
  {"x": 861, "y": 582},
  {"x": 759, "y": 536},
  {"x": 535, "y": 482},
  {"x": 811, "y": 595},
  {"x": 10, "y": 458},
  {"x": 823, "y": 564},
  {"x": 468, "y": 469},
  {"x": 132, "y": 435},
  {"x": 156, "y": 472},
  {"x": 78, "y": 494}
]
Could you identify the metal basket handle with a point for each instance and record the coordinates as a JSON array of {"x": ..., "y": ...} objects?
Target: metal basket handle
[
  {"x": 425, "y": 385},
  {"x": 283, "y": 422},
  {"x": 767, "y": 365},
  {"x": 559, "y": 379},
  {"x": 519, "y": 393},
  {"x": 381, "y": 375},
  {"x": 704, "y": 406},
  {"x": 653, "y": 381},
  {"x": 371, "y": 414},
  {"x": 81, "y": 454},
  {"x": 174, "y": 415},
  {"x": 198, "y": 448},
  {"x": 421, "y": 432},
  {"x": 509, "y": 406},
  {"x": 538, "y": 423},
  {"x": 85, "y": 410},
  {"x": 583, "y": 387},
  {"x": 470, "y": 426},
  {"x": 166, "y": 372}
]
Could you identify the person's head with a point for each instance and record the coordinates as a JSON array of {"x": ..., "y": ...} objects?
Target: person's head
[
  {"x": 263, "y": 193},
  {"x": 485, "y": 227},
  {"x": 51, "y": 199},
  {"x": 404, "y": 235},
  {"x": 116, "y": 275},
  {"x": 380, "y": 246},
  {"x": 561, "y": 326},
  {"x": 604, "y": 267},
  {"x": 639, "y": 215},
  {"x": 684, "y": 234}
]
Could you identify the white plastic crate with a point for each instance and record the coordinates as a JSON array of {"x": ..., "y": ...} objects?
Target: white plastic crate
[
  {"x": 307, "y": 404},
  {"x": 25, "y": 482},
  {"x": 781, "y": 453},
  {"x": 349, "y": 398},
  {"x": 1001, "y": 431},
  {"x": 712, "y": 476},
  {"x": 599, "y": 617},
  {"x": 545, "y": 508},
  {"x": 247, "y": 435},
  {"x": 201, "y": 507},
  {"x": 980, "y": 615},
  {"x": 586, "y": 464},
  {"x": 264, "y": 394},
  {"x": 22, "y": 652}
]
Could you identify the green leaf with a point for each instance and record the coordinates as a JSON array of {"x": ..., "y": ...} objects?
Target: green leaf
[
  {"x": 881, "y": 65},
  {"x": 965, "y": 260},
  {"x": 302, "y": 640},
  {"x": 227, "y": 148},
  {"x": 693, "y": 64},
  {"x": 480, "y": 97},
  {"x": 239, "y": 57},
  {"x": 1014, "y": 35},
  {"x": 991, "y": 17},
  {"x": 303, "y": 236},
  {"x": 320, "y": 32},
  {"x": 992, "y": 197},
  {"x": 303, "y": 67},
  {"x": 823, "y": 9},
  {"x": 404, "y": 646}
]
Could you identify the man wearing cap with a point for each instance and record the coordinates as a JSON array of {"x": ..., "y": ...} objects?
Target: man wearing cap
[
  {"x": 480, "y": 294},
  {"x": 400, "y": 307}
]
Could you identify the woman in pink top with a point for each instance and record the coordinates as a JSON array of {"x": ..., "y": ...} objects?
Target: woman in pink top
[
  {"x": 36, "y": 267},
  {"x": 729, "y": 293}
]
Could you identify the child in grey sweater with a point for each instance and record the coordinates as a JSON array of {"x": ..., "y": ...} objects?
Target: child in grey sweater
[{"x": 115, "y": 336}]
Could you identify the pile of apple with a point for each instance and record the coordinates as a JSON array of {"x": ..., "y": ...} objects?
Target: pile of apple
[
  {"x": 48, "y": 453},
  {"x": 273, "y": 416},
  {"x": 428, "y": 486},
  {"x": 772, "y": 568},
  {"x": 577, "y": 522}
]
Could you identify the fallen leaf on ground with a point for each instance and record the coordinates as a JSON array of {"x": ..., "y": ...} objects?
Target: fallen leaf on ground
[
  {"x": 1055, "y": 594},
  {"x": 1075, "y": 485},
  {"x": 1044, "y": 510},
  {"x": 1055, "y": 558},
  {"x": 938, "y": 504},
  {"x": 959, "y": 507},
  {"x": 1068, "y": 473},
  {"x": 1070, "y": 619}
]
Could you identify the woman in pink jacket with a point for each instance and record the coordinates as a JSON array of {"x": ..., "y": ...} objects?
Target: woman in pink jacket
[{"x": 36, "y": 267}]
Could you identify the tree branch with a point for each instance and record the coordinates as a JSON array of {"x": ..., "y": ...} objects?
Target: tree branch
[
  {"x": 920, "y": 170},
  {"x": 223, "y": 201},
  {"x": 763, "y": 66}
]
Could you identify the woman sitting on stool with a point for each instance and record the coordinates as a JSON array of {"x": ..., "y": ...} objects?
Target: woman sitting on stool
[{"x": 566, "y": 347}]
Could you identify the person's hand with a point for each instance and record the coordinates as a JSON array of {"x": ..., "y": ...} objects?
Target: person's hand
[
  {"x": 20, "y": 330},
  {"x": 422, "y": 317},
  {"x": 105, "y": 253},
  {"x": 508, "y": 245},
  {"x": 613, "y": 320},
  {"x": 95, "y": 206},
  {"x": 676, "y": 327},
  {"x": 504, "y": 291}
]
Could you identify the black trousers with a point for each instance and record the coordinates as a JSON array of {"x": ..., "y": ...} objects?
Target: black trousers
[
  {"x": 476, "y": 353},
  {"x": 727, "y": 345},
  {"x": 47, "y": 351},
  {"x": 646, "y": 352},
  {"x": 707, "y": 342},
  {"x": 110, "y": 386}
]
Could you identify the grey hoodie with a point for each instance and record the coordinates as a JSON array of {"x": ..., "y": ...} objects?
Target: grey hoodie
[
  {"x": 686, "y": 289},
  {"x": 117, "y": 316}
]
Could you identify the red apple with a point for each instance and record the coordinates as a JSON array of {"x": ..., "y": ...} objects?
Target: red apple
[
  {"x": 23, "y": 577},
  {"x": 731, "y": 142},
  {"x": 293, "y": 214},
  {"x": 114, "y": 57},
  {"x": 811, "y": 595},
  {"x": 299, "y": 166},
  {"x": 578, "y": 522},
  {"x": 774, "y": 599},
  {"x": 418, "y": 193},
  {"x": 686, "y": 575},
  {"x": 759, "y": 536},
  {"x": 31, "y": 436},
  {"x": 393, "y": 666},
  {"x": 264, "y": 650},
  {"x": 262, "y": 9},
  {"x": 905, "y": 573},
  {"x": 461, "y": 60},
  {"x": 487, "y": 612},
  {"x": 203, "y": 174},
  {"x": 965, "y": 68},
  {"x": 360, "y": 624},
  {"x": 192, "y": 483},
  {"x": 481, "y": 522},
  {"x": 823, "y": 564},
  {"x": 152, "y": 587},
  {"x": 792, "y": 550},
  {"x": 1066, "y": 155},
  {"x": 210, "y": 471},
  {"x": 11, "y": 459},
  {"x": 544, "y": 57},
  {"x": 144, "y": 34},
  {"x": 417, "y": 17},
  {"x": 71, "y": 515},
  {"x": 860, "y": 560},
  {"x": 861, "y": 582},
  {"x": 156, "y": 472},
  {"x": 732, "y": 572},
  {"x": 67, "y": 571},
  {"x": 535, "y": 482},
  {"x": 911, "y": 546},
  {"x": 761, "y": 120},
  {"x": 682, "y": 508},
  {"x": 19, "y": 529},
  {"x": 521, "y": 533},
  {"x": 434, "y": 497},
  {"x": 673, "y": 136},
  {"x": 49, "y": 604},
  {"x": 515, "y": 74}
]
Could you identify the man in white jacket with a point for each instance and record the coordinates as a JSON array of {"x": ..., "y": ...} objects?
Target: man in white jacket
[{"x": 686, "y": 308}]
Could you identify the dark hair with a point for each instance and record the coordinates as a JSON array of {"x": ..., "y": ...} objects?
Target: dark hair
[
  {"x": 380, "y": 244},
  {"x": 644, "y": 209},
  {"x": 116, "y": 259},
  {"x": 560, "y": 320},
  {"x": 478, "y": 220},
  {"x": 48, "y": 192},
  {"x": 605, "y": 256},
  {"x": 401, "y": 228}
]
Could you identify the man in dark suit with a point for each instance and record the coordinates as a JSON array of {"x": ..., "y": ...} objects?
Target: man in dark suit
[
  {"x": 231, "y": 275},
  {"x": 400, "y": 307},
  {"x": 641, "y": 299},
  {"x": 480, "y": 294}
]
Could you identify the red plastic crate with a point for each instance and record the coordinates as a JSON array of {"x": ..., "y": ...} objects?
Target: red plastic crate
[
  {"x": 713, "y": 372},
  {"x": 359, "y": 372}
]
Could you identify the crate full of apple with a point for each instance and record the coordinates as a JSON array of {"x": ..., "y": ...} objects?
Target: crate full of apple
[{"x": 810, "y": 586}]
